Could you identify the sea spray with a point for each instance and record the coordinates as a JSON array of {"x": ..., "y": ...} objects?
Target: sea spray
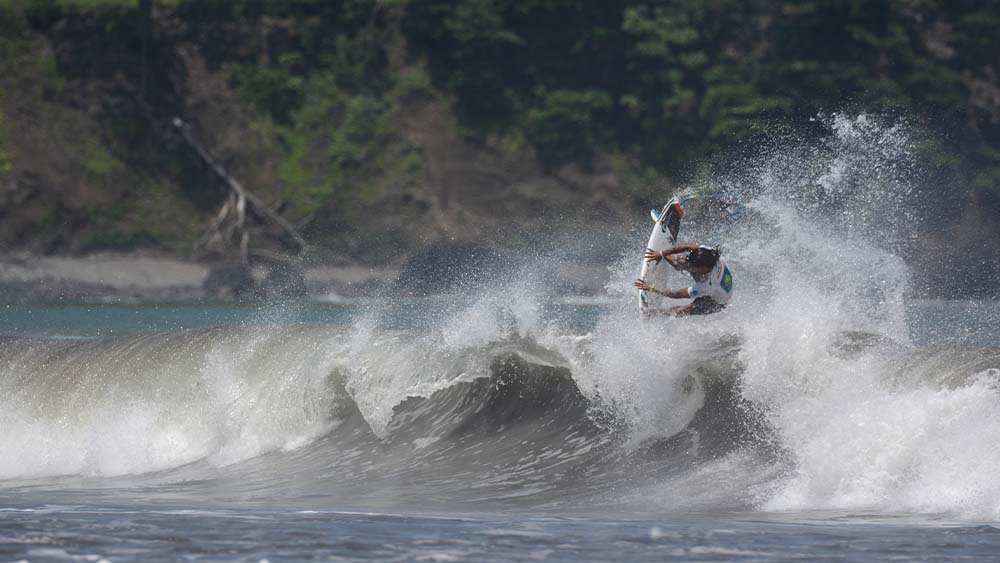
[{"x": 868, "y": 431}]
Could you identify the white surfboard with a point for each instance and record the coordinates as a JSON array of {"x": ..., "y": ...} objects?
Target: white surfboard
[{"x": 668, "y": 222}]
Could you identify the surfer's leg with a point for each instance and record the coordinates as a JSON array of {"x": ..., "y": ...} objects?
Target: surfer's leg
[
  {"x": 681, "y": 310},
  {"x": 705, "y": 306}
]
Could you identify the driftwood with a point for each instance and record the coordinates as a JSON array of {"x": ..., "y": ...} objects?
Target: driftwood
[{"x": 229, "y": 223}]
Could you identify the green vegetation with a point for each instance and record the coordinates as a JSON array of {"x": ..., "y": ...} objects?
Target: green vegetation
[
  {"x": 97, "y": 162},
  {"x": 4, "y": 156},
  {"x": 326, "y": 135},
  {"x": 659, "y": 86},
  {"x": 104, "y": 4},
  {"x": 676, "y": 80},
  {"x": 331, "y": 103}
]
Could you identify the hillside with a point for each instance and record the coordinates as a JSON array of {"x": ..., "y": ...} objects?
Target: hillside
[
  {"x": 376, "y": 128},
  {"x": 93, "y": 162}
]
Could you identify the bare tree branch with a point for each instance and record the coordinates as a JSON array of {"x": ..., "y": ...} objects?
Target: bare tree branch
[{"x": 236, "y": 203}]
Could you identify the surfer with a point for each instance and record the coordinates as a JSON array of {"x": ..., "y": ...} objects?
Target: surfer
[{"x": 713, "y": 283}]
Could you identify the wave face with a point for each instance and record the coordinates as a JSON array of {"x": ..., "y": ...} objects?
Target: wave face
[
  {"x": 504, "y": 421},
  {"x": 805, "y": 394}
]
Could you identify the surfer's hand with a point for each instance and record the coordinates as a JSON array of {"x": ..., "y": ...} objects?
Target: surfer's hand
[
  {"x": 653, "y": 255},
  {"x": 645, "y": 286}
]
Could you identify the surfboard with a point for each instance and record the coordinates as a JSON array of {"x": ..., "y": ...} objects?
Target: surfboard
[{"x": 667, "y": 225}]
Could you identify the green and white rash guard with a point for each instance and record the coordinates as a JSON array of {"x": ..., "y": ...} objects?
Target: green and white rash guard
[{"x": 718, "y": 284}]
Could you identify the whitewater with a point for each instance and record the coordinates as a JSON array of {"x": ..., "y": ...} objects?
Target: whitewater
[{"x": 825, "y": 414}]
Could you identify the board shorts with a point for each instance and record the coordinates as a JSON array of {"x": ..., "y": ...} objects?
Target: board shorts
[{"x": 705, "y": 306}]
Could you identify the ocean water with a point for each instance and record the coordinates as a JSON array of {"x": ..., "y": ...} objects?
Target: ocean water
[
  {"x": 246, "y": 440},
  {"x": 825, "y": 415}
]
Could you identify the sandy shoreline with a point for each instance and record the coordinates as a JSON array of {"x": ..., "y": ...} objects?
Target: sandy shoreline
[
  {"x": 104, "y": 278},
  {"x": 126, "y": 278}
]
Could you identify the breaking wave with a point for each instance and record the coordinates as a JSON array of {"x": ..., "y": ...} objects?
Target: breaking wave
[{"x": 805, "y": 394}]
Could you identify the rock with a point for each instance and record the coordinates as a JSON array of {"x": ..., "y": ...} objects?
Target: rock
[
  {"x": 230, "y": 281},
  {"x": 449, "y": 265}
]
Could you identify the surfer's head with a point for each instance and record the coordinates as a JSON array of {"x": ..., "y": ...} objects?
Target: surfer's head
[{"x": 702, "y": 259}]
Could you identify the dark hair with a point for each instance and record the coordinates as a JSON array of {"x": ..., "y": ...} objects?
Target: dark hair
[{"x": 703, "y": 257}]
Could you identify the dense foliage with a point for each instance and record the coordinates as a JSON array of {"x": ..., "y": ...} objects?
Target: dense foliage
[
  {"x": 677, "y": 80},
  {"x": 665, "y": 82},
  {"x": 4, "y": 157},
  {"x": 655, "y": 84}
]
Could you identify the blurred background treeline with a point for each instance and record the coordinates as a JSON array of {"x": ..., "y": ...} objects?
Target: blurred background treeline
[{"x": 375, "y": 128}]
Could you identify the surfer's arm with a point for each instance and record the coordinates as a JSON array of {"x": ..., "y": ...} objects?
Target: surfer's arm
[
  {"x": 678, "y": 248},
  {"x": 657, "y": 255},
  {"x": 681, "y": 293}
]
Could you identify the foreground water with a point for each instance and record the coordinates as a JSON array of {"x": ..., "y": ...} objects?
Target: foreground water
[
  {"x": 116, "y": 447},
  {"x": 161, "y": 534}
]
